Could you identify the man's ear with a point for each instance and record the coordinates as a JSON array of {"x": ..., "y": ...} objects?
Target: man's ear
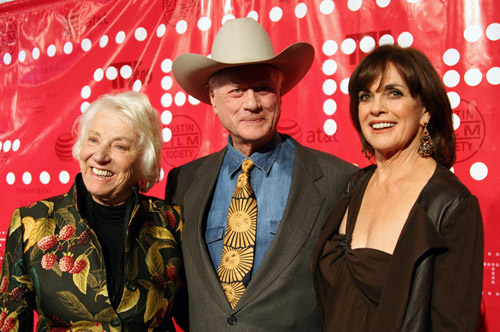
[{"x": 211, "y": 94}]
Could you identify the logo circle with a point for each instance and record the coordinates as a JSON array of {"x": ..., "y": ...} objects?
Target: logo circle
[
  {"x": 471, "y": 132},
  {"x": 185, "y": 143}
]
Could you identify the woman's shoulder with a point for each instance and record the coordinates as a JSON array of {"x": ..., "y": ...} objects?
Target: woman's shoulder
[
  {"x": 46, "y": 206},
  {"x": 155, "y": 204},
  {"x": 445, "y": 183},
  {"x": 444, "y": 193},
  {"x": 357, "y": 178},
  {"x": 154, "y": 201}
]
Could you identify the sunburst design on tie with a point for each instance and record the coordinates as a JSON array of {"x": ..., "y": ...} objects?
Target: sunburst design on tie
[
  {"x": 233, "y": 292},
  {"x": 239, "y": 242},
  {"x": 235, "y": 264},
  {"x": 243, "y": 188},
  {"x": 241, "y": 223}
]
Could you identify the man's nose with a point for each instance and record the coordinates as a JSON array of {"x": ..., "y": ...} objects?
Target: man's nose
[{"x": 251, "y": 101}]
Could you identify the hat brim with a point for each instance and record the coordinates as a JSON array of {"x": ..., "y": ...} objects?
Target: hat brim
[{"x": 192, "y": 71}]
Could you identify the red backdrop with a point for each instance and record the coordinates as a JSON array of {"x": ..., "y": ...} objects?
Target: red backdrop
[{"x": 58, "y": 56}]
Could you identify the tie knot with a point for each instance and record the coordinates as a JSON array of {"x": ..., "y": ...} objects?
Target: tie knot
[{"x": 247, "y": 165}]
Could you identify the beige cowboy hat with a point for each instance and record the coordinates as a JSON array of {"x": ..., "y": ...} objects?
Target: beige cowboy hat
[{"x": 240, "y": 42}]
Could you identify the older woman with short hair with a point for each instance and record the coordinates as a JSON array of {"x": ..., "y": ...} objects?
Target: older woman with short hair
[{"x": 102, "y": 257}]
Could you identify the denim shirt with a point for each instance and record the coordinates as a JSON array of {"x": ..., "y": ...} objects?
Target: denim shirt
[{"x": 270, "y": 179}]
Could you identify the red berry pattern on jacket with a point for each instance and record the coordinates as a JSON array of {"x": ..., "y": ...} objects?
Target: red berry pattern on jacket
[
  {"x": 84, "y": 238},
  {"x": 48, "y": 261},
  {"x": 4, "y": 286},
  {"x": 78, "y": 266},
  {"x": 17, "y": 294},
  {"x": 8, "y": 325},
  {"x": 66, "y": 232},
  {"x": 66, "y": 263},
  {"x": 172, "y": 272},
  {"x": 47, "y": 242}
]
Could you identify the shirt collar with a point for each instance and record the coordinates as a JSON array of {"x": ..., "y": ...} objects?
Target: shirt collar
[{"x": 263, "y": 159}]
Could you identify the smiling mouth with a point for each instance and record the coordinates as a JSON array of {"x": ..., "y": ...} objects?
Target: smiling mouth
[
  {"x": 382, "y": 125},
  {"x": 102, "y": 172},
  {"x": 253, "y": 120}
]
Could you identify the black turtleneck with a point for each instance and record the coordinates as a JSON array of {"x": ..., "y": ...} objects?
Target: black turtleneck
[{"x": 109, "y": 223}]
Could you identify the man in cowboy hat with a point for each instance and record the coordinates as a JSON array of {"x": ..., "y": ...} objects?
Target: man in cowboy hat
[{"x": 294, "y": 189}]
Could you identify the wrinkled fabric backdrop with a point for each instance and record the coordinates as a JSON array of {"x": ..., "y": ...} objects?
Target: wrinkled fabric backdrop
[{"x": 58, "y": 56}]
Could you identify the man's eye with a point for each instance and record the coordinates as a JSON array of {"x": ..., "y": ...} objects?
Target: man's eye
[{"x": 263, "y": 89}]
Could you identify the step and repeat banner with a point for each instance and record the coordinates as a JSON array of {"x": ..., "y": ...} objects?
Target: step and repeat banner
[{"x": 56, "y": 57}]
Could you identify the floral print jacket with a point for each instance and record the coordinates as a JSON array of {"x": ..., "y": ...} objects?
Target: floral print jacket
[{"x": 53, "y": 264}]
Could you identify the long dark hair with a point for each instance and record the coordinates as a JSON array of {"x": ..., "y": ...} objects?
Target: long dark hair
[{"x": 422, "y": 80}]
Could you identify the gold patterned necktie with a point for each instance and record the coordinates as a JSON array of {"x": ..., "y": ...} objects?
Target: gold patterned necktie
[{"x": 239, "y": 241}]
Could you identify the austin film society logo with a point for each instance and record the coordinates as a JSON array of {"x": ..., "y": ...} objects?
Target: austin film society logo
[
  {"x": 471, "y": 132},
  {"x": 184, "y": 145},
  {"x": 176, "y": 10}
]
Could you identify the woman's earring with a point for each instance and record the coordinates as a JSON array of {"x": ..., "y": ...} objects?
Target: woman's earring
[{"x": 425, "y": 146}]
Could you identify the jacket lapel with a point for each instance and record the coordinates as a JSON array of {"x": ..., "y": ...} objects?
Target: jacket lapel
[
  {"x": 206, "y": 177},
  {"x": 304, "y": 203},
  {"x": 418, "y": 236}
]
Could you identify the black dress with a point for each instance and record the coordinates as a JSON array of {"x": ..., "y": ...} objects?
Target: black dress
[{"x": 355, "y": 277}]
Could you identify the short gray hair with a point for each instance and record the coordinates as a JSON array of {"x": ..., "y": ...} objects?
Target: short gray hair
[
  {"x": 225, "y": 75},
  {"x": 143, "y": 118}
]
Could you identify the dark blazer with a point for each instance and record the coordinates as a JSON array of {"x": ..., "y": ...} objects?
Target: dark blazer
[
  {"x": 435, "y": 277},
  {"x": 53, "y": 263},
  {"x": 280, "y": 296}
]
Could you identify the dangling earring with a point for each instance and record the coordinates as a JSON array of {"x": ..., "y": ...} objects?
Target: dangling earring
[{"x": 425, "y": 146}]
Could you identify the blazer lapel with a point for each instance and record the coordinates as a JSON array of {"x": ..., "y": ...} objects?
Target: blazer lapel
[
  {"x": 304, "y": 203},
  {"x": 417, "y": 237},
  {"x": 206, "y": 177}
]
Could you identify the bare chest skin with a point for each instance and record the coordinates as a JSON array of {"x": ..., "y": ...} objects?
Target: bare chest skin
[{"x": 384, "y": 210}]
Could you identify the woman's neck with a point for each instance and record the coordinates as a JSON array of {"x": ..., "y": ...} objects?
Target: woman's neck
[{"x": 404, "y": 166}]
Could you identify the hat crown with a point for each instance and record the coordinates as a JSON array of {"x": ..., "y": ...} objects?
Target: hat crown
[{"x": 242, "y": 40}]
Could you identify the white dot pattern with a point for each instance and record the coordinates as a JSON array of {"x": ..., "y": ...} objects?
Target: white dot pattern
[
  {"x": 276, "y": 14},
  {"x": 330, "y": 47},
  {"x": 103, "y": 42},
  {"x": 473, "y": 33},
  {"x": 120, "y": 37},
  {"x": 479, "y": 171},
  {"x": 22, "y": 56},
  {"x": 166, "y": 117},
  {"x": 301, "y": 10},
  {"x": 204, "y": 23},
  {"x": 326, "y": 7},
  {"x": 451, "y": 57},
  {"x": 451, "y": 78},
  {"x": 167, "y": 134},
  {"x": 454, "y": 99}
]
